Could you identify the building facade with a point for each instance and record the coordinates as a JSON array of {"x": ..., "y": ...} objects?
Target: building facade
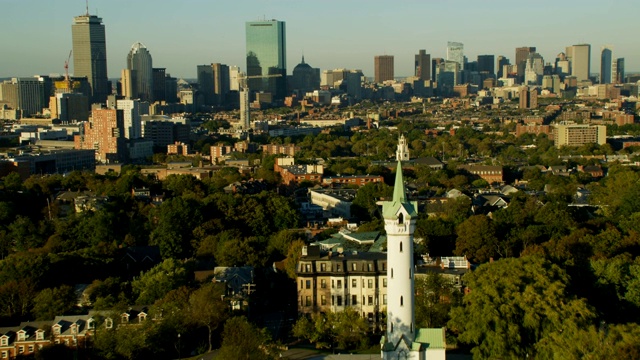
[
  {"x": 606, "y": 65},
  {"x": 383, "y": 68},
  {"x": 579, "y": 57},
  {"x": 455, "y": 52},
  {"x": 90, "y": 55},
  {"x": 422, "y": 65},
  {"x": 267, "y": 57},
  {"x": 140, "y": 63},
  {"x": 580, "y": 134}
]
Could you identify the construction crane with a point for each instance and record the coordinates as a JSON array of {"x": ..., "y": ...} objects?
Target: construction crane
[{"x": 66, "y": 67}]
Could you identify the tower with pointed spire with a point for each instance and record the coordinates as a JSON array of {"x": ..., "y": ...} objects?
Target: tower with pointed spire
[
  {"x": 402, "y": 340},
  {"x": 402, "y": 153}
]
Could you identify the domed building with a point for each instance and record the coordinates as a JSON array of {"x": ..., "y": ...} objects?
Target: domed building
[{"x": 305, "y": 78}]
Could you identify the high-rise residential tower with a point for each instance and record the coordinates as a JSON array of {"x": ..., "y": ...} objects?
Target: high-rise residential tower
[
  {"x": 455, "y": 52},
  {"x": 90, "y": 54},
  {"x": 267, "y": 57},
  {"x": 383, "y": 68},
  {"x": 423, "y": 65},
  {"x": 606, "y": 65},
  {"x": 141, "y": 65},
  {"x": 580, "y": 58}
]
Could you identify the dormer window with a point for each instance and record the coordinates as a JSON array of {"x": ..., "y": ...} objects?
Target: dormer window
[
  {"x": 142, "y": 317},
  {"x": 91, "y": 324},
  {"x": 39, "y": 335},
  {"x": 21, "y": 335},
  {"x": 108, "y": 323},
  {"x": 125, "y": 318},
  {"x": 56, "y": 329},
  {"x": 4, "y": 341}
]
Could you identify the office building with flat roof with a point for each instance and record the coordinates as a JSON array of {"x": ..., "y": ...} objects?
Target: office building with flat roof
[
  {"x": 267, "y": 57},
  {"x": 383, "y": 68},
  {"x": 90, "y": 55}
]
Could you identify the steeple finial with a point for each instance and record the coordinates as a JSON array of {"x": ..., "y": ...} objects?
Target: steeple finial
[{"x": 303, "y": 58}]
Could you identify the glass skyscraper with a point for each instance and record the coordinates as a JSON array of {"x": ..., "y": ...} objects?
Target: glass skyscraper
[
  {"x": 606, "y": 65},
  {"x": 267, "y": 57},
  {"x": 140, "y": 63},
  {"x": 90, "y": 55}
]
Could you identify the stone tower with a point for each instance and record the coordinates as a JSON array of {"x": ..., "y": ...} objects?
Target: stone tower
[{"x": 402, "y": 153}]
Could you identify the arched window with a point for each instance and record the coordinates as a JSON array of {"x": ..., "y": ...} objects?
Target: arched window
[
  {"x": 400, "y": 246},
  {"x": 401, "y": 218},
  {"x": 401, "y": 301},
  {"x": 392, "y": 273},
  {"x": 391, "y": 328}
]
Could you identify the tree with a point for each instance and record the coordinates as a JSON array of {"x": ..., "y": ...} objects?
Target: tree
[
  {"x": 207, "y": 308},
  {"x": 243, "y": 340},
  {"x": 477, "y": 239},
  {"x": 52, "y": 302},
  {"x": 162, "y": 278},
  {"x": 435, "y": 296},
  {"x": 514, "y": 304},
  {"x": 293, "y": 256},
  {"x": 346, "y": 329}
]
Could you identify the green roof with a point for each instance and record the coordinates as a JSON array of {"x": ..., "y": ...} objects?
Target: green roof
[
  {"x": 432, "y": 338},
  {"x": 390, "y": 208}
]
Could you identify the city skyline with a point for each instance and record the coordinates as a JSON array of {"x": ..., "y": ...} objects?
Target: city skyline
[{"x": 367, "y": 28}]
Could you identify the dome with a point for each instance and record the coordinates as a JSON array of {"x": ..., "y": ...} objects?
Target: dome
[{"x": 302, "y": 65}]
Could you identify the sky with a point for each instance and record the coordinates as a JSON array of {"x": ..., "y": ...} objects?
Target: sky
[{"x": 181, "y": 34}]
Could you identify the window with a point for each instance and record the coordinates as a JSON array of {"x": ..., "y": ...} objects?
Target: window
[
  {"x": 333, "y": 284},
  {"x": 308, "y": 284},
  {"x": 323, "y": 300},
  {"x": 323, "y": 267},
  {"x": 400, "y": 246},
  {"x": 354, "y": 300},
  {"x": 31, "y": 348},
  {"x": 20, "y": 349},
  {"x": 307, "y": 267},
  {"x": 391, "y": 328},
  {"x": 370, "y": 283},
  {"x": 333, "y": 300},
  {"x": 369, "y": 267},
  {"x": 338, "y": 267},
  {"x": 307, "y": 301},
  {"x": 40, "y": 334},
  {"x": 384, "y": 266},
  {"x": 21, "y": 336},
  {"x": 384, "y": 299},
  {"x": 323, "y": 283},
  {"x": 370, "y": 300},
  {"x": 354, "y": 266},
  {"x": 4, "y": 355},
  {"x": 339, "y": 298},
  {"x": 384, "y": 282},
  {"x": 142, "y": 317},
  {"x": 125, "y": 318},
  {"x": 4, "y": 341},
  {"x": 301, "y": 284},
  {"x": 392, "y": 273},
  {"x": 354, "y": 283},
  {"x": 339, "y": 284},
  {"x": 56, "y": 330},
  {"x": 108, "y": 323},
  {"x": 401, "y": 301},
  {"x": 400, "y": 218}
]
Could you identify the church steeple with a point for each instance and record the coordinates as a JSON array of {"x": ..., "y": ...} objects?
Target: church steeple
[{"x": 399, "y": 193}]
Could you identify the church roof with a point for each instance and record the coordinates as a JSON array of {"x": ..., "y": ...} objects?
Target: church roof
[{"x": 431, "y": 338}]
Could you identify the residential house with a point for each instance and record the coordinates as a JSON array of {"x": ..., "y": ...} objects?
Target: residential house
[{"x": 238, "y": 284}]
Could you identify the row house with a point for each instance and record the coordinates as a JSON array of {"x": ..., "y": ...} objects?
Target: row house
[{"x": 333, "y": 282}]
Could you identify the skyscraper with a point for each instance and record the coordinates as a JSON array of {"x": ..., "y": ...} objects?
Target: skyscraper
[
  {"x": 534, "y": 69},
  {"x": 423, "y": 65},
  {"x": 521, "y": 59},
  {"x": 267, "y": 57},
  {"x": 501, "y": 62},
  {"x": 580, "y": 59},
  {"x": 455, "y": 52},
  {"x": 159, "y": 87},
  {"x": 620, "y": 71},
  {"x": 383, "y": 68},
  {"x": 486, "y": 63},
  {"x": 606, "y": 65},
  {"x": 141, "y": 65},
  {"x": 90, "y": 54}
]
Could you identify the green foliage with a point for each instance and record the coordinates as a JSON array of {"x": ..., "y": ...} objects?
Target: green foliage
[
  {"x": 243, "y": 340},
  {"x": 345, "y": 329},
  {"x": 435, "y": 296},
  {"x": 207, "y": 308},
  {"x": 52, "y": 302},
  {"x": 513, "y": 305},
  {"x": 155, "y": 283},
  {"x": 477, "y": 239}
]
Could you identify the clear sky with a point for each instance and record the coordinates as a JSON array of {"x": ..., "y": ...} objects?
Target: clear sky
[{"x": 35, "y": 35}]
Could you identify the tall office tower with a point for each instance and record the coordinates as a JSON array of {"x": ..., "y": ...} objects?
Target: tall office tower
[
  {"x": 580, "y": 58},
  {"x": 159, "y": 86},
  {"x": 245, "y": 115},
  {"x": 234, "y": 84},
  {"x": 305, "y": 78},
  {"x": 620, "y": 71},
  {"x": 422, "y": 65},
  {"x": 205, "y": 83},
  {"x": 221, "y": 84},
  {"x": 534, "y": 69},
  {"x": 501, "y": 62},
  {"x": 563, "y": 67},
  {"x": 455, "y": 52},
  {"x": 127, "y": 84},
  {"x": 132, "y": 111},
  {"x": 528, "y": 98},
  {"x": 30, "y": 95},
  {"x": 521, "y": 60},
  {"x": 139, "y": 60},
  {"x": 90, "y": 55},
  {"x": 69, "y": 107},
  {"x": 435, "y": 62},
  {"x": 171, "y": 89},
  {"x": 486, "y": 63},
  {"x": 383, "y": 68},
  {"x": 606, "y": 65},
  {"x": 267, "y": 57},
  {"x": 104, "y": 133}
]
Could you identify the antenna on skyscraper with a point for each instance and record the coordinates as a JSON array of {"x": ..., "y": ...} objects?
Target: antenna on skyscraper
[{"x": 87, "y": 1}]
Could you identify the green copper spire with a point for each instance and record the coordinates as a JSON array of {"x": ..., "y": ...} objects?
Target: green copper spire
[{"x": 399, "y": 194}]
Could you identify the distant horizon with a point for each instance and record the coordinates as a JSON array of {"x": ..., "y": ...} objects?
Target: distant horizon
[{"x": 183, "y": 34}]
